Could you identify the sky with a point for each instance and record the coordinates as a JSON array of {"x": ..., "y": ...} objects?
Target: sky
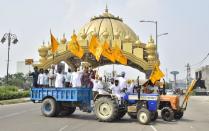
[{"x": 185, "y": 21}]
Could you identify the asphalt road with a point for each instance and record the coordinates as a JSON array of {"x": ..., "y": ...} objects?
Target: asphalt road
[{"x": 28, "y": 117}]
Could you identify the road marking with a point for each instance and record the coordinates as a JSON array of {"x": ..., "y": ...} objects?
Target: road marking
[
  {"x": 153, "y": 128},
  {"x": 64, "y": 127}
]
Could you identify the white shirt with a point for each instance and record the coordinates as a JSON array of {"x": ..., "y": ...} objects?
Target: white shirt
[
  {"x": 52, "y": 77},
  {"x": 76, "y": 79},
  {"x": 59, "y": 82},
  {"x": 95, "y": 85},
  {"x": 116, "y": 91},
  {"x": 46, "y": 79},
  {"x": 130, "y": 88},
  {"x": 122, "y": 83},
  {"x": 68, "y": 77},
  {"x": 40, "y": 79}
]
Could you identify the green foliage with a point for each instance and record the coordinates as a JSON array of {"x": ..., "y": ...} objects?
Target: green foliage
[
  {"x": 11, "y": 92},
  {"x": 17, "y": 79}
]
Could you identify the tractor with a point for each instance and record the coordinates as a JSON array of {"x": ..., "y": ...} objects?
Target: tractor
[
  {"x": 142, "y": 106},
  {"x": 170, "y": 104}
]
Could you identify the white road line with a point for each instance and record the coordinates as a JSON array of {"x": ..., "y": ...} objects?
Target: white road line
[
  {"x": 64, "y": 127},
  {"x": 153, "y": 128}
]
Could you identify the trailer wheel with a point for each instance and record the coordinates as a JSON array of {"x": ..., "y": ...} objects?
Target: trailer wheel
[
  {"x": 132, "y": 115},
  {"x": 69, "y": 110},
  {"x": 144, "y": 116},
  {"x": 178, "y": 115},
  {"x": 154, "y": 115},
  {"x": 106, "y": 109},
  {"x": 49, "y": 107},
  {"x": 167, "y": 114}
]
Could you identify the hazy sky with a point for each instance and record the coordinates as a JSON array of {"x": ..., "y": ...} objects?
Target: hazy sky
[{"x": 185, "y": 21}]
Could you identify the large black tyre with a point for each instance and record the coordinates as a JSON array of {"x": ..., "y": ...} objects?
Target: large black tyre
[
  {"x": 144, "y": 116},
  {"x": 132, "y": 115},
  {"x": 68, "y": 111},
  {"x": 121, "y": 114},
  {"x": 50, "y": 107},
  {"x": 154, "y": 116},
  {"x": 178, "y": 115},
  {"x": 167, "y": 114},
  {"x": 106, "y": 109}
]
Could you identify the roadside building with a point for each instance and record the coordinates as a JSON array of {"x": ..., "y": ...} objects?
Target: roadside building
[{"x": 203, "y": 74}]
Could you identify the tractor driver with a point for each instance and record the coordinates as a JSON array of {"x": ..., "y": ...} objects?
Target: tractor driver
[{"x": 116, "y": 90}]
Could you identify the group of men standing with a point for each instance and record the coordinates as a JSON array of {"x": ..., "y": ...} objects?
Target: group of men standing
[{"x": 81, "y": 78}]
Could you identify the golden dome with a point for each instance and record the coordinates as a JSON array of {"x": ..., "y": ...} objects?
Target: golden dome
[{"x": 107, "y": 23}]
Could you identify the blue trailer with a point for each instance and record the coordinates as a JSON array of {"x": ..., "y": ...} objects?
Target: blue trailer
[{"x": 107, "y": 107}]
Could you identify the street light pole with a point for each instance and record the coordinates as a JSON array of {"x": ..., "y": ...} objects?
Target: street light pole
[
  {"x": 11, "y": 38},
  {"x": 156, "y": 32}
]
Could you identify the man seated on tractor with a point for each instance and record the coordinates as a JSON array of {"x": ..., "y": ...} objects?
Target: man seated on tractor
[{"x": 116, "y": 90}]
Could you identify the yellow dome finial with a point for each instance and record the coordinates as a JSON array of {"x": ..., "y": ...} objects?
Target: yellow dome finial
[{"x": 106, "y": 8}]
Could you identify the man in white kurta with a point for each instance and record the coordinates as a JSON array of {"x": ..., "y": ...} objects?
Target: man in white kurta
[
  {"x": 60, "y": 79},
  {"x": 76, "y": 78},
  {"x": 122, "y": 82},
  {"x": 52, "y": 76},
  {"x": 116, "y": 90}
]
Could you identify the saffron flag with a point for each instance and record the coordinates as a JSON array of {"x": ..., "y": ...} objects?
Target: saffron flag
[
  {"x": 98, "y": 52},
  {"x": 95, "y": 48},
  {"x": 54, "y": 43},
  {"x": 93, "y": 44},
  {"x": 74, "y": 47},
  {"x": 156, "y": 74},
  {"x": 119, "y": 55},
  {"x": 107, "y": 52}
]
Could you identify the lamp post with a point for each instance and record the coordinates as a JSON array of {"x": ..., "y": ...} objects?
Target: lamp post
[
  {"x": 159, "y": 35},
  {"x": 156, "y": 32},
  {"x": 11, "y": 38}
]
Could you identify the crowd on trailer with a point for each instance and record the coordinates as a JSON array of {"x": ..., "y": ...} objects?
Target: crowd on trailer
[{"x": 86, "y": 77}]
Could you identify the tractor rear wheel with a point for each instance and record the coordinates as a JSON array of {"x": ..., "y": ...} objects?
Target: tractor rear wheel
[
  {"x": 50, "y": 107},
  {"x": 154, "y": 115},
  {"x": 106, "y": 109},
  {"x": 144, "y": 116},
  {"x": 167, "y": 114},
  {"x": 178, "y": 115}
]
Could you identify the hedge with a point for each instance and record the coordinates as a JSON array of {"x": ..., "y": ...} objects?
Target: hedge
[{"x": 11, "y": 92}]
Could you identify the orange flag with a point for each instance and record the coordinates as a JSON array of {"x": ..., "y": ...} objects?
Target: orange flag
[
  {"x": 119, "y": 55},
  {"x": 74, "y": 47},
  {"x": 93, "y": 44},
  {"x": 98, "y": 52},
  {"x": 95, "y": 48},
  {"x": 107, "y": 52},
  {"x": 156, "y": 74},
  {"x": 54, "y": 43}
]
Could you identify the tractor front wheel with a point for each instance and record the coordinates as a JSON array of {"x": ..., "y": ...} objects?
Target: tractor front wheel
[{"x": 144, "y": 116}]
